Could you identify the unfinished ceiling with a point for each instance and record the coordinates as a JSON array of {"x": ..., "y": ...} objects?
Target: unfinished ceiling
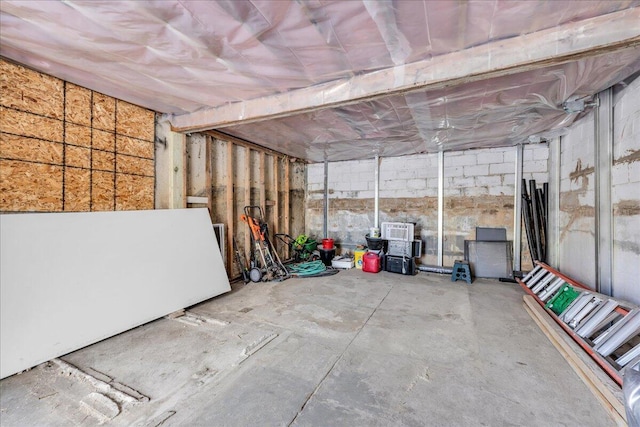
[{"x": 337, "y": 80}]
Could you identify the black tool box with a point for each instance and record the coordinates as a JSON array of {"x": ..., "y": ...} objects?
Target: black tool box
[{"x": 401, "y": 265}]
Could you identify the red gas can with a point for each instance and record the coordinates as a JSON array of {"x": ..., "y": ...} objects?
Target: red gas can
[{"x": 371, "y": 262}]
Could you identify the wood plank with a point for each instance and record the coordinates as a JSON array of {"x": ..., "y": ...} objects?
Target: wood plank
[
  {"x": 242, "y": 142},
  {"x": 286, "y": 189},
  {"x": 604, "y": 388},
  {"x": 246, "y": 182},
  {"x": 557, "y": 45},
  {"x": 263, "y": 181},
  {"x": 208, "y": 174},
  {"x": 71, "y": 279},
  {"x": 230, "y": 217},
  {"x": 276, "y": 195},
  {"x": 177, "y": 142}
]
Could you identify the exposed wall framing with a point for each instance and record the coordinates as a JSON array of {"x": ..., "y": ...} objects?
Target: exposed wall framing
[
  {"x": 67, "y": 148},
  {"x": 226, "y": 174}
]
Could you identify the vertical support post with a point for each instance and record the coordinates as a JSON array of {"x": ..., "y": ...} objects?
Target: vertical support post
[
  {"x": 178, "y": 143},
  {"x": 276, "y": 193},
  {"x": 441, "y": 208},
  {"x": 286, "y": 189},
  {"x": 325, "y": 219},
  {"x": 246, "y": 181},
  {"x": 263, "y": 181},
  {"x": 376, "y": 194},
  {"x": 603, "y": 212},
  {"x": 517, "y": 210},
  {"x": 229, "y": 205},
  {"x": 208, "y": 174},
  {"x": 553, "y": 241}
]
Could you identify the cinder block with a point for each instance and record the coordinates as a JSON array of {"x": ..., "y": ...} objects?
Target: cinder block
[
  {"x": 541, "y": 153},
  {"x": 432, "y": 183},
  {"x": 358, "y": 185},
  {"x": 461, "y": 182},
  {"x": 630, "y": 191},
  {"x": 501, "y": 191},
  {"x": 460, "y": 160},
  {"x": 431, "y": 192},
  {"x": 540, "y": 177},
  {"x": 417, "y": 184},
  {"x": 393, "y": 184},
  {"x": 535, "y": 166},
  {"x": 342, "y": 186},
  {"x": 510, "y": 156},
  {"x": 587, "y": 198},
  {"x": 476, "y": 191},
  {"x": 509, "y": 179},
  {"x": 452, "y": 192},
  {"x": 453, "y": 171},
  {"x": 477, "y": 170},
  {"x": 620, "y": 174},
  {"x": 634, "y": 171},
  {"x": 315, "y": 186},
  {"x": 527, "y": 154},
  {"x": 486, "y": 158},
  {"x": 501, "y": 168},
  {"x": 488, "y": 181}
]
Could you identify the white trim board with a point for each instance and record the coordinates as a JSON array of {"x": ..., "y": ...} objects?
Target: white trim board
[{"x": 68, "y": 280}]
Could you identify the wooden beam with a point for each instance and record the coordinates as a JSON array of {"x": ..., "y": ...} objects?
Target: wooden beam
[
  {"x": 276, "y": 193},
  {"x": 246, "y": 181},
  {"x": 558, "y": 45},
  {"x": 242, "y": 142},
  {"x": 230, "y": 211},
  {"x": 263, "y": 181},
  {"x": 286, "y": 185},
  {"x": 604, "y": 388},
  {"x": 178, "y": 186},
  {"x": 208, "y": 173}
]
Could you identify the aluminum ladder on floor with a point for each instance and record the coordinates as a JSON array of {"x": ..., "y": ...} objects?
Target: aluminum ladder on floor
[{"x": 606, "y": 328}]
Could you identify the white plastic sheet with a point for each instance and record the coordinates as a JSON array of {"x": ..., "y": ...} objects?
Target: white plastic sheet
[{"x": 177, "y": 56}]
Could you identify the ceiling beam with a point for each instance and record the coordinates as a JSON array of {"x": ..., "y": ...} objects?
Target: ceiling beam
[{"x": 558, "y": 45}]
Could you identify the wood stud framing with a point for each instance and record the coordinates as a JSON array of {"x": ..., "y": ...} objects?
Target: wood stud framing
[
  {"x": 244, "y": 174},
  {"x": 231, "y": 220}
]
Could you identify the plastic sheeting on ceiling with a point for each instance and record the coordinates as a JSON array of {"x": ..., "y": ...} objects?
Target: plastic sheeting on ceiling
[{"x": 182, "y": 57}]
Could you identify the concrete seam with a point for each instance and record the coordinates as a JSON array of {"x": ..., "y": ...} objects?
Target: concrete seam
[{"x": 339, "y": 357}]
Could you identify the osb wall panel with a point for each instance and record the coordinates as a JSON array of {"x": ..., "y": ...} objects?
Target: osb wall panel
[
  {"x": 103, "y": 191},
  {"x": 44, "y": 182},
  {"x": 28, "y": 90},
  {"x": 66, "y": 148}
]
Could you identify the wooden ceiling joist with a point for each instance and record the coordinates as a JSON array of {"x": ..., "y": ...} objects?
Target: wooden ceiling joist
[{"x": 569, "y": 42}]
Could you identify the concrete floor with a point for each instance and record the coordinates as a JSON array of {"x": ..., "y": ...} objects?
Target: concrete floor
[{"x": 354, "y": 349}]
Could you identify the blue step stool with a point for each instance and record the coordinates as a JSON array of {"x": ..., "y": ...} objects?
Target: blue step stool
[{"x": 461, "y": 271}]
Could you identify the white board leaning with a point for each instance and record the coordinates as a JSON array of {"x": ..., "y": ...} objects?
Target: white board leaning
[{"x": 68, "y": 280}]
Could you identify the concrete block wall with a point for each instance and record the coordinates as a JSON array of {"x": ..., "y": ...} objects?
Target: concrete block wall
[
  {"x": 625, "y": 193},
  {"x": 577, "y": 202},
  {"x": 479, "y": 190},
  {"x": 576, "y": 254}
]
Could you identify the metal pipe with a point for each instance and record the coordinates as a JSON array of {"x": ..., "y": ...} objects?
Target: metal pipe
[
  {"x": 517, "y": 211},
  {"x": 603, "y": 215},
  {"x": 526, "y": 212},
  {"x": 325, "y": 224},
  {"x": 536, "y": 220},
  {"x": 441, "y": 208},
  {"x": 376, "y": 194},
  {"x": 553, "y": 254}
]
